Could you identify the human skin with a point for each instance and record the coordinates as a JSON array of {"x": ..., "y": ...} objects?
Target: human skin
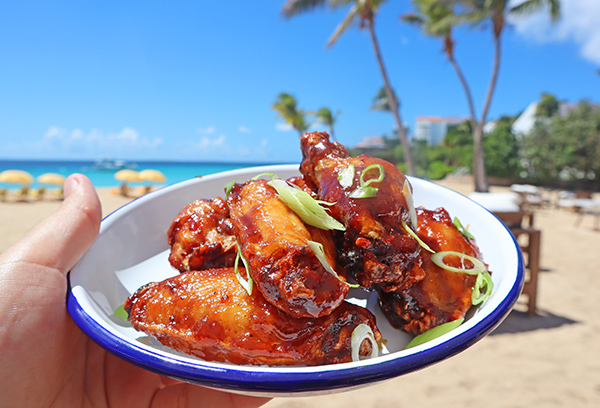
[{"x": 45, "y": 359}]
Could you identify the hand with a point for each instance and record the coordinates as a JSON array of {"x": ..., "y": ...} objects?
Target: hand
[{"x": 45, "y": 360}]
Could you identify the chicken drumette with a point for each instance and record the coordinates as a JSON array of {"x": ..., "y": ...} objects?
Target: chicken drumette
[
  {"x": 375, "y": 247},
  {"x": 442, "y": 296},
  {"x": 209, "y": 315},
  {"x": 275, "y": 243},
  {"x": 201, "y": 236}
]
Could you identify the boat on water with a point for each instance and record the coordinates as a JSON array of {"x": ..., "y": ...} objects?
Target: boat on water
[{"x": 113, "y": 164}]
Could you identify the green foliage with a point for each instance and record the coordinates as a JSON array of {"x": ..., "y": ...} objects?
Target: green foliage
[
  {"x": 501, "y": 151},
  {"x": 548, "y": 106},
  {"x": 565, "y": 148}
]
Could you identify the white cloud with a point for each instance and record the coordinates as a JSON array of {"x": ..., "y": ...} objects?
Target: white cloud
[
  {"x": 206, "y": 142},
  {"x": 579, "y": 23},
  {"x": 284, "y": 127},
  {"x": 207, "y": 130},
  {"x": 62, "y": 142},
  {"x": 244, "y": 129}
]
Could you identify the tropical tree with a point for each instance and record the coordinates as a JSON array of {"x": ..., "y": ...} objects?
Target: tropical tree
[
  {"x": 325, "y": 116},
  {"x": 548, "y": 106},
  {"x": 287, "y": 109},
  {"x": 363, "y": 12},
  {"x": 565, "y": 148},
  {"x": 439, "y": 17},
  {"x": 381, "y": 103}
]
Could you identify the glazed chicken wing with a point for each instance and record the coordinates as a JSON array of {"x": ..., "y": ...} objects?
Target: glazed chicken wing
[
  {"x": 376, "y": 248},
  {"x": 442, "y": 296},
  {"x": 274, "y": 241},
  {"x": 209, "y": 315},
  {"x": 201, "y": 236}
]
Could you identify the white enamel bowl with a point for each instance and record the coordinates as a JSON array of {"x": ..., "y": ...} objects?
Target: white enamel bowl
[{"x": 132, "y": 250}]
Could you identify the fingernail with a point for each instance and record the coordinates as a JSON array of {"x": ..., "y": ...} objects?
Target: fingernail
[{"x": 70, "y": 184}]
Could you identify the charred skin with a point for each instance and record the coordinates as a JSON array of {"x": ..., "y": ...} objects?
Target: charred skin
[
  {"x": 442, "y": 296},
  {"x": 375, "y": 248},
  {"x": 201, "y": 236},
  {"x": 209, "y": 315},
  {"x": 274, "y": 241}
]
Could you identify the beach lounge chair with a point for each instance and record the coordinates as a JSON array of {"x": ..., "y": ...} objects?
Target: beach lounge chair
[
  {"x": 3, "y": 194},
  {"x": 22, "y": 194},
  {"x": 38, "y": 193}
]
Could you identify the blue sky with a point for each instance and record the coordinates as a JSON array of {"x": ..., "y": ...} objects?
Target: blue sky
[{"x": 191, "y": 80}]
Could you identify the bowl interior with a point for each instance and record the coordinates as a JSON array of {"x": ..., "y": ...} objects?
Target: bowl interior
[{"x": 132, "y": 250}]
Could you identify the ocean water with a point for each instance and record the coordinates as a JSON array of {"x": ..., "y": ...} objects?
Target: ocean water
[{"x": 174, "y": 171}]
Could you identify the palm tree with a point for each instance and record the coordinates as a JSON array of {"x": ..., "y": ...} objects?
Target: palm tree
[
  {"x": 287, "y": 109},
  {"x": 325, "y": 116},
  {"x": 380, "y": 101},
  {"x": 438, "y": 17},
  {"x": 364, "y": 12}
]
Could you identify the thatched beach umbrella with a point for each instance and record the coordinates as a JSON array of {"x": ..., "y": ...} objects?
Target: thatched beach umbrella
[
  {"x": 53, "y": 179},
  {"x": 16, "y": 177},
  {"x": 127, "y": 176},
  {"x": 152, "y": 175}
]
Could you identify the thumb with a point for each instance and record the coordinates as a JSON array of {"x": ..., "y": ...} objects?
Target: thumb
[{"x": 61, "y": 239}]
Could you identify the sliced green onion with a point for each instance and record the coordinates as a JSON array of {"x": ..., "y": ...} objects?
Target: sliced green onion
[
  {"x": 465, "y": 232},
  {"x": 434, "y": 333},
  {"x": 228, "y": 187},
  {"x": 121, "y": 313},
  {"x": 306, "y": 207},
  {"x": 410, "y": 203},
  {"x": 319, "y": 252},
  {"x": 379, "y": 167},
  {"x": 246, "y": 283},
  {"x": 415, "y": 236},
  {"x": 364, "y": 192},
  {"x": 359, "y": 334},
  {"x": 477, "y": 268},
  {"x": 346, "y": 176},
  {"x": 483, "y": 288},
  {"x": 267, "y": 174}
]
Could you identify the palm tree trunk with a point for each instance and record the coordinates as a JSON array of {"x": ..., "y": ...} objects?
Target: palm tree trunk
[
  {"x": 465, "y": 86},
  {"x": 392, "y": 102},
  {"x": 481, "y": 182}
]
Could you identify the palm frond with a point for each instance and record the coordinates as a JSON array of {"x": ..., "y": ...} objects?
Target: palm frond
[
  {"x": 531, "y": 6},
  {"x": 412, "y": 18},
  {"x": 344, "y": 25},
  {"x": 293, "y": 8}
]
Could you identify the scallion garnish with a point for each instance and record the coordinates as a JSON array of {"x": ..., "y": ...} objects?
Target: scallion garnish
[
  {"x": 346, "y": 176},
  {"x": 477, "y": 267},
  {"x": 379, "y": 167},
  {"x": 359, "y": 334},
  {"x": 246, "y": 283},
  {"x": 483, "y": 288},
  {"x": 415, "y": 236},
  {"x": 267, "y": 174},
  {"x": 434, "y": 333},
  {"x": 319, "y": 252},
  {"x": 465, "y": 232},
  {"x": 305, "y": 206},
  {"x": 121, "y": 313},
  {"x": 364, "y": 190},
  {"x": 228, "y": 188},
  {"x": 410, "y": 203}
]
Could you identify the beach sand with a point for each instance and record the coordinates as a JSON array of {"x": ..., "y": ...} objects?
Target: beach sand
[{"x": 551, "y": 359}]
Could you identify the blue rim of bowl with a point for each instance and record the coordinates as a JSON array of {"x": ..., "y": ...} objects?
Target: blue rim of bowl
[{"x": 285, "y": 381}]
